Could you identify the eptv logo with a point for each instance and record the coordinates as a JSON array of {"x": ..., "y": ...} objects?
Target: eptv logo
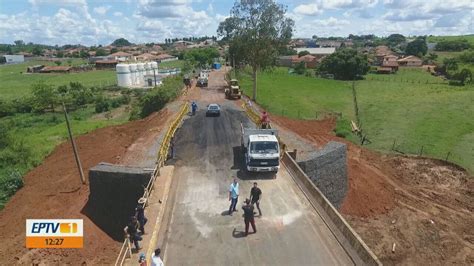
[{"x": 54, "y": 233}]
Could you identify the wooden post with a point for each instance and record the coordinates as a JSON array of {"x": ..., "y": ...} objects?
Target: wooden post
[
  {"x": 74, "y": 149},
  {"x": 447, "y": 156},
  {"x": 421, "y": 151},
  {"x": 393, "y": 145}
]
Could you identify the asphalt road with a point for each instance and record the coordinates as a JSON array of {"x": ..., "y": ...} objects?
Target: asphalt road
[{"x": 200, "y": 231}]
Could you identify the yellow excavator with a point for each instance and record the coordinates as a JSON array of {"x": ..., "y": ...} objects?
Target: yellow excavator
[{"x": 233, "y": 90}]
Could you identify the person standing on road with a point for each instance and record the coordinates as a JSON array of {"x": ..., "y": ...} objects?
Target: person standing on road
[
  {"x": 131, "y": 231},
  {"x": 233, "y": 195},
  {"x": 249, "y": 217},
  {"x": 156, "y": 259},
  {"x": 255, "y": 196},
  {"x": 140, "y": 214}
]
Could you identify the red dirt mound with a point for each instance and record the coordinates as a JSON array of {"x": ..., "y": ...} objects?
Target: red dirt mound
[
  {"x": 54, "y": 190},
  {"x": 369, "y": 193}
]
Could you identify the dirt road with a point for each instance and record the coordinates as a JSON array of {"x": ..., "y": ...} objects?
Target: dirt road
[{"x": 201, "y": 232}]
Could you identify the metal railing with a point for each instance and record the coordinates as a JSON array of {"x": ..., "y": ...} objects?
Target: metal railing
[{"x": 126, "y": 249}]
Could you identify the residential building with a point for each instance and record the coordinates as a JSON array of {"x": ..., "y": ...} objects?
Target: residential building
[
  {"x": 317, "y": 52},
  {"x": 410, "y": 61},
  {"x": 165, "y": 58},
  {"x": 56, "y": 69},
  {"x": 14, "y": 59},
  {"x": 121, "y": 56}
]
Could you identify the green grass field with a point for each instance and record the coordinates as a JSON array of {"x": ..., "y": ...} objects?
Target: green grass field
[
  {"x": 16, "y": 83},
  {"x": 469, "y": 38},
  {"x": 38, "y": 135},
  {"x": 411, "y": 107},
  {"x": 171, "y": 64}
]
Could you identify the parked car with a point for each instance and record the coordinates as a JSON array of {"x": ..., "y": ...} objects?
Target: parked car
[{"x": 213, "y": 109}]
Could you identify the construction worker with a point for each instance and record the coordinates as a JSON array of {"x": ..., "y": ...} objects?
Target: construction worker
[
  {"x": 249, "y": 217},
  {"x": 233, "y": 196},
  {"x": 264, "y": 120},
  {"x": 156, "y": 259},
  {"x": 140, "y": 214},
  {"x": 255, "y": 196},
  {"x": 131, "y": 231},
  {"x": 194, "y": 107}
]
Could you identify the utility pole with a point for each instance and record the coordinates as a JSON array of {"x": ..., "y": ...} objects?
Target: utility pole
[{"x": 76, "y": 155}]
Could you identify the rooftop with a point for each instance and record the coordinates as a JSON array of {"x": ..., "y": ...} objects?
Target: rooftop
[{"x": 320, "y": 51}]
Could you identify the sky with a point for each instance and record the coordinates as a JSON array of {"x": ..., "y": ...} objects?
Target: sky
[{"x": 93, "y": 22}]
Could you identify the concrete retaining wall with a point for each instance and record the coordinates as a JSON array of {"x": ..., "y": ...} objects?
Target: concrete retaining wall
[
  {"x": 347, "y": 237},
  {"x": 327, "y": 168},
  {"x": 114, "y": 192}
]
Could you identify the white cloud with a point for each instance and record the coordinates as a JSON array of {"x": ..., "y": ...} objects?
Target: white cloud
[
  {"x": 57, "y": 2},
  {"x": 330, "y": 22},
  {"x": 343, "y": 4},
  {"x": 118, "y": 14},
  {"x": 101, "y": 10},
  {"x": 308, "y": 10}
]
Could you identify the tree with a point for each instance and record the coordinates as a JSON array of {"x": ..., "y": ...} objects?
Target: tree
[
  {"x": 464, "y": 76},
  {"x": 345, "y": 64},
  {"x": 19, "y": 43},
  {"x": 395, "y": 39},
  {"x": 100, "y": 52},
  {"x": 113, "y": 50},
  {"x": 417, "y": 47},
  {"x": 44, "y": 97},
  {"x": 259, "y": 29},
  {"x": 300, "y": 68},
  {"x": 58, "y": 62},
  {"x": 3, "y": 60},
  {"x": 452, "y": 45},
  {"x": 451, "y": 64},
  {"x": 60, "y": 54},
  {"x": 201, "y": 56},
  {"x": 83, "y": 54},
  {"x": 37, "y": 50},
  {"x": 121, "y": 42},
  {"x": 303, "y": 53}
]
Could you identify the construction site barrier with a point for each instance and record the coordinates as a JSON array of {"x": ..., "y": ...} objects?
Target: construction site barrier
[
  {"x": 346, "y": 236},
  {"x": 126, "y": 249}
]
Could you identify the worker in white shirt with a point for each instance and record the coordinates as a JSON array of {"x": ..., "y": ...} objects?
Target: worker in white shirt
[{"x": 155, "y": 259}]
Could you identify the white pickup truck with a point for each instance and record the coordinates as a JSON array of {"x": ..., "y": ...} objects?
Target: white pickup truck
[{"x": 261, "y": 149}]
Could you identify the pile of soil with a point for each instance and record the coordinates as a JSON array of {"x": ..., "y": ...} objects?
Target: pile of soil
[
  {"x": 369, "y": 193},
  {"x": 423, "y": 207},
  {"x": 54, "y": 190}
]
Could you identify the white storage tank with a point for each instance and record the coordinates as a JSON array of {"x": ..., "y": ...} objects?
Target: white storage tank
[
  {"x": 141, "y": 73},
  {"x": 123, "y": 75},
  {"x": 133, "y": 74},
  {"x": 154, "y": 66},
  {"x": 148, "y": 69}
]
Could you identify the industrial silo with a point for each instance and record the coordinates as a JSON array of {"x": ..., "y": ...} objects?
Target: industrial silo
[
  {"x": 123, "y": 75},
  {"x": 133, "y": 74},
  {"x": 148, "y": 68},
  {"x": 141, "y": 73}
]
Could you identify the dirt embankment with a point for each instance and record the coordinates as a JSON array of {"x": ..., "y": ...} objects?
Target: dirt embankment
[
  {"x": 54, "y": 190},
  {"x": 423, "y": 206}
]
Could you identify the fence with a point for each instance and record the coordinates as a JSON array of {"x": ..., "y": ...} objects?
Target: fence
[
  {"x": 126, "y": 249},
  {"x": 405, "y": 80},
  {"x": 429, "y": 150}
]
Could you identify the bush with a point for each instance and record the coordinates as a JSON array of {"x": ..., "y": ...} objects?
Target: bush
[
  {"x": 101, "y": 105},
  {"x": 6, "y": 108},
  {"x": 9, "y": 185},
  {"x": 343, "y": 128},
  {"x": 155, "y": 99}
]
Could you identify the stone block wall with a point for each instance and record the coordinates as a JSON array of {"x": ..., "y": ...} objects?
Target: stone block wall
[
  {"x": 114, "y": 192},
  {"x": 327, "y": 168}
]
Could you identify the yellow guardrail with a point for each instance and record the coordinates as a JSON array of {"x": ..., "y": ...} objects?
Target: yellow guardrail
[
  {"x": 165, "y": 144},
  {"x": 126, "y": 250}
]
